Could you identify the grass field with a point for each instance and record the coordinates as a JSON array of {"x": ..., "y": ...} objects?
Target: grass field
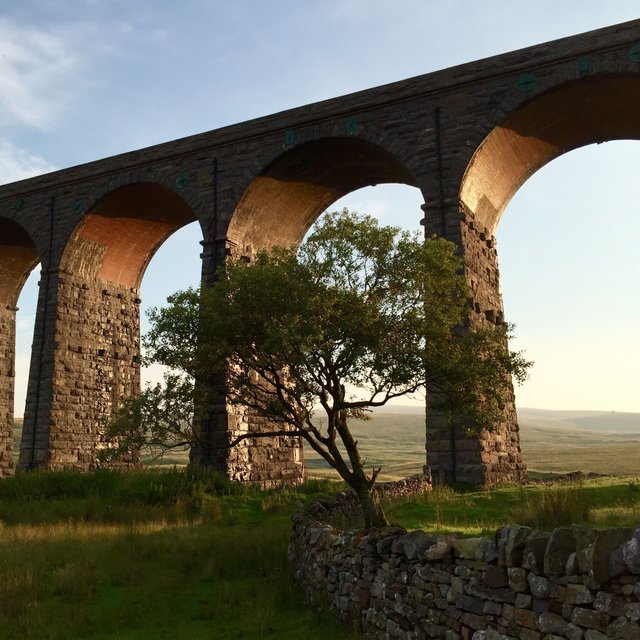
[
  {"x": 602, "y": 502},
  {"x": 551, "y": 441},
  {"x": 161, "y": 554},
  {"x": 148, "y": 555},
  {"x": 166, "y": 554}
]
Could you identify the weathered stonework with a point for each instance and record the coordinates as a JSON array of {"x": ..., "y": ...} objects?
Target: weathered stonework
[
  {"x": 95, "y": 365},
  {"x": 467, "y": 137},
  {"x": 265, "y": 461},
  {"x": 518, "y": 585},
  {"x": 7, "y": 347}
]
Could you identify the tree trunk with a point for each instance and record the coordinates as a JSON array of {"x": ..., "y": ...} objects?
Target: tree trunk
[{"x": 372, "y": 512}]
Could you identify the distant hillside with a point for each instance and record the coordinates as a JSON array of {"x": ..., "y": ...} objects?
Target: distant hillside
[
  {"x": 600, "y": 421},
  {"x": 551, "y": 441}
]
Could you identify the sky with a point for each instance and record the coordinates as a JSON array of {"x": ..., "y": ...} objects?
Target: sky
[{"x": 81, "y": 80}]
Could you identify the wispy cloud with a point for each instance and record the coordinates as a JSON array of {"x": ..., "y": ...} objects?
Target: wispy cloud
[
  {"x": 37, "y": 65},
  {"x": 17, "y": 164}
]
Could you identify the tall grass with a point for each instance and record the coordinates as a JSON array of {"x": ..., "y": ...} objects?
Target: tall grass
[
  {"x": 124, "y": 565},
  {"x": 603, "y": 503},
  {"x": 553, "y": 507}
]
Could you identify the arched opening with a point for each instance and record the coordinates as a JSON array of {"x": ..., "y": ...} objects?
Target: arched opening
[
  {"x": 576, "y": 114},
  {"x": 568, "y": 257},
  {"x": 25, "y": 325},
  {"x": 282, "y": 203},
  {"x": 18, "y": 257},
  {"x": 395, "y": 439},
  {"x": 97, "y": 322},
  {"x": 176, "y": 265},
  {"x": 118, "y": 237},
  {"x": 278, "y": 208}
]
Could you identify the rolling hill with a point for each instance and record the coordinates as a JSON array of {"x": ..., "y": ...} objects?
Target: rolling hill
[{"x": 551, "y": 441}]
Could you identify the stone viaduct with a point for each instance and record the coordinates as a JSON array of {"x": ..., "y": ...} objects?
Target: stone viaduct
[{"x": 467, "y": 137}]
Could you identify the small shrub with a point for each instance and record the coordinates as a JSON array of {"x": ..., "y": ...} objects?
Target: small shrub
[
  {"x": 552, "y": 508},
  {"x": 634, "y": 485}
]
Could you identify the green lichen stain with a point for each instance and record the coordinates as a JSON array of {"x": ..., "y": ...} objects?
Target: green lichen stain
[
  {"x": 585, "y": 66},
  {"x": 634, "y": 52},
  {"x": 526, "y": 82}
]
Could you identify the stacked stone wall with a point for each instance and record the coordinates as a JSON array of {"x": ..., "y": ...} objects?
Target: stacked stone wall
[
  {"x": 7, "y": 376},
  {"x": 96, "y": 365},
  {"x": 492, "y": 457},
  {"x": 574, "y": 583}
]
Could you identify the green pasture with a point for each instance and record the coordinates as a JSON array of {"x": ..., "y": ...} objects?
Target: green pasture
[
  {"x": 148, "y": 555},
  {"x": 169, "y": 553},
  {"x": 166, "y": 554}
]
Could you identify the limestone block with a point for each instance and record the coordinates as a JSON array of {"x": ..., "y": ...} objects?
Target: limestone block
[
  {"x": 515, "y": 545},
  {"x": 552, "y": 623},
  {"x": 623, "y": 629},
  {"x": 631, "y": 553},
  {"x": 609, "y": 603},
  {"x": 573, "y": 632},
  {"x": 560, "y": 546},
  {"x": 518, "y": 579},
  {"x": 607, "y": 540},
  {"x": 578, "y": 594},
  {"x": 589, "y": 619},
  {"x": 534, "y": 549},
  {"x": 539, "y": 585},
  {"x": 526, "y": 618}
]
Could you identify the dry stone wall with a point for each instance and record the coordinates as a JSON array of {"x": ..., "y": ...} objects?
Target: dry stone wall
[{"x": 574, "y": 583}]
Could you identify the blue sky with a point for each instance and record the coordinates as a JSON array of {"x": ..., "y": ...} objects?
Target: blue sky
[{"x": 81, "y": 80}]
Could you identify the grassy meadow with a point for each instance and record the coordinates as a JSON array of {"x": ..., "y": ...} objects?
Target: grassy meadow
[
  {"x": 175, "y": 554},
  {"x": 169, "y": 553},
  {"x": 158, "y": 554}
]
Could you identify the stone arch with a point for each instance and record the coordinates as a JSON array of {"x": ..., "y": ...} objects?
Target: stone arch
[
  {"x": 277, "y": 208},
  {"x": 284, "y": 200},
  {"x": 574, "y": 114},
  {"x": 18, "y": 257},
  {"x": 96, "y": 338},
  {"x": 118, "y": 236}
]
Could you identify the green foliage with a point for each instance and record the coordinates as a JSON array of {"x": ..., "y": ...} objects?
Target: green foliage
[
  {"x": 159, "y": 420},
  {"x": 311, "y": 338}
]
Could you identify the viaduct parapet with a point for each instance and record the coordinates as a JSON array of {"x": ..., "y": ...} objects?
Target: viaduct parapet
[{"x": 467, "y": 137}]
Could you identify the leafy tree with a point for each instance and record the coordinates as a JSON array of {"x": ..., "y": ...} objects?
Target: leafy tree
[{"x": 358, "y": 315}]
